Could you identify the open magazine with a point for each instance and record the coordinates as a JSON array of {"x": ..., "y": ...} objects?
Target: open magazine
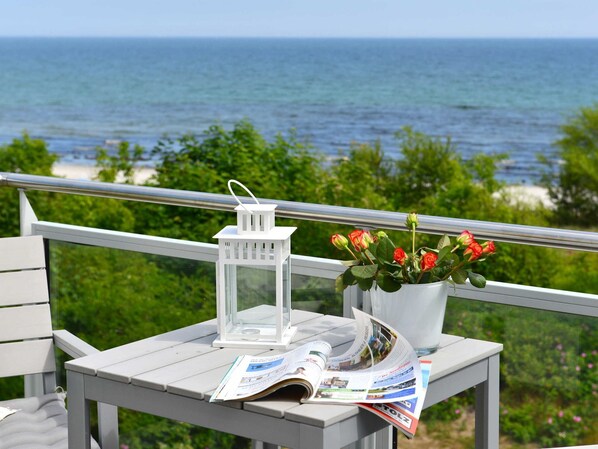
[
  {"x": 404, "y": 415},
  {"x": 380, "y": 372}
]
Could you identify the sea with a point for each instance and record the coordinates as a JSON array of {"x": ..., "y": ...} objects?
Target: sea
[{"x": 488, "y": 95}]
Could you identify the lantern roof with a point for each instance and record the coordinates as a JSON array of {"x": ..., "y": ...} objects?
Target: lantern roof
[{"x": 276, "y": 233}]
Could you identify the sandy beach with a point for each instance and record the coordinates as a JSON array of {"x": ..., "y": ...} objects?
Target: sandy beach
[
  {"x": 526, "y": 194},
  {"x": 89, "y": 172}
]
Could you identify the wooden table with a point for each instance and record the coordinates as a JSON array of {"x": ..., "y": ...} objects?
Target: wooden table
[{"x": 172, "y": 375}]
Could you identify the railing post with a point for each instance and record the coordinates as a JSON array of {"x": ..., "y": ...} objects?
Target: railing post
[
  {"x": 26, "y": 214},
  {"x": 34, "y": 383}
]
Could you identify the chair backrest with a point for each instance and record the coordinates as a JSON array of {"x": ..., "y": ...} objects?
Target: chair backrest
[{"x": 26, "y": 345}]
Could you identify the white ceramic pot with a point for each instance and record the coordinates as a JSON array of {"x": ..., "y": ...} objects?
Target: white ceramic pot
[{"x": 416, "y": 311}]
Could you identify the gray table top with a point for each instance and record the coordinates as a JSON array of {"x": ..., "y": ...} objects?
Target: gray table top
[{"x": 183, "y": 362}]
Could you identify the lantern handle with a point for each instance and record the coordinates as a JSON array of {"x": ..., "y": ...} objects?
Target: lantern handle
[{"x": 230, "y": 188}]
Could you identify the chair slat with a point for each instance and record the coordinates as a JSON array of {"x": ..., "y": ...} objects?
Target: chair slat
[
  {"x": 23, "y": 287},
  {"x": 23, "y": 322},
  {"x": 22, "y": 253},
  {"x": 27, "y": 357}
]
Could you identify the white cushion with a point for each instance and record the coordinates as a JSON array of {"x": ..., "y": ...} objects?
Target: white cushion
[{"x": 39, "y": 423}]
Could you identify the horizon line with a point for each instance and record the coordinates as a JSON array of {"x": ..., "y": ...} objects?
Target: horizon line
[{"x": 290, "y": 37}]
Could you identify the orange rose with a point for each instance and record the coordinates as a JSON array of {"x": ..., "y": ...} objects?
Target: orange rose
[
  {"x": 399, "y": 256},
  {"x": 474, "y": 250},
  {"x": 428, "y": 261}
]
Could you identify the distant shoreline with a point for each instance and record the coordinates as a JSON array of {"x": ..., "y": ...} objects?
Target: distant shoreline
[
  {"x": 321, "y": 38},
  {"x": 526, "y": 194}
]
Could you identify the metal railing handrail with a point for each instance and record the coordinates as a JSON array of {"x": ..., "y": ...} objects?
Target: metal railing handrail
[{"x": 504, "y": 232}]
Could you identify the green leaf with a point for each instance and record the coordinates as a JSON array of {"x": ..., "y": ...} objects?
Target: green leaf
[
  {"x": 443, "y": 253},
  {"x": 339, "y": 285},
  {"x": 385, "y": 250},
  {"x": 477, "y": 280},
  {"x": 459, "y": 276},
  {"x": 348, "y": 278},
  {"x": 364, "y": 271},
  {"x": 349, "y": 263},
  {"x": 365, "y": 284},
  {"x": 444, "y": 242},
  {"x": 387, "y": 283}
]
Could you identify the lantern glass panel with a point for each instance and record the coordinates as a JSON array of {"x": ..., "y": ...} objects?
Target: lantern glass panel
[
  {"x": 248, "y": 287},
  {"x": 286, "y": 293}
]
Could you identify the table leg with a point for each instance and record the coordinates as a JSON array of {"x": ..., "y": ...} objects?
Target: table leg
[
  {"x": 78, "y": 412},
  {"x": 487, "y": 408},
  {"x": 108, "y": 426}
]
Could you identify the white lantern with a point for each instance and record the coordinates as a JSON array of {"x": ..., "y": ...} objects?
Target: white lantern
[{"x": 253, "y": 279}]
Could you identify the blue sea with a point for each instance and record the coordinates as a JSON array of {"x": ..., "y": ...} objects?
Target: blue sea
[{"x": 488, "y": 95}]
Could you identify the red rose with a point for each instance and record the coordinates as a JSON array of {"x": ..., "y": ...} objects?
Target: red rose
[
  {"x": 488, "y": 247},
  {"x": 428, "y": 261},
  {"x": 474, "y": 250},
  {"x": 360, "y": 239},
  {"x": 399, "y": 256},
  {"x": 465, "y": 238}
]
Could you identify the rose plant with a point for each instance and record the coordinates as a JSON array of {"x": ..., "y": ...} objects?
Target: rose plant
[{"x": 377, "y": 259}]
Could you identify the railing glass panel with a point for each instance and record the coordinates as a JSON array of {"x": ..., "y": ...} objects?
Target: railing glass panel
[{"x": 549, "y": 377}]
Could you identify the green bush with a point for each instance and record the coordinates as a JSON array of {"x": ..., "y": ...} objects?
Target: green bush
[{"x": 573, "y": 178}]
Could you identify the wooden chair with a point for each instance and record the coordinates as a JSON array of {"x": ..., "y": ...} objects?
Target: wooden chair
[{"x": 27, "y": 344}]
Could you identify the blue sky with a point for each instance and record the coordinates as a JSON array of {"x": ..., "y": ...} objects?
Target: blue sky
[{"x": 301, "y": 18}]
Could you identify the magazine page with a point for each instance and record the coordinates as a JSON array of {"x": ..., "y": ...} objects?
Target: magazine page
[
  {"x": 380, "y": 366},
  {"x": 404, "y": 415},
  {"x": 251, "y": 377}
]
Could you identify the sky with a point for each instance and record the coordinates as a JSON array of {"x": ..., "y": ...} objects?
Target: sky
[{"x": 300, "y": 18}]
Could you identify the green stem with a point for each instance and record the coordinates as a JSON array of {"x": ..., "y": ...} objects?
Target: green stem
[
  {"x": 413, "y": 239},
  {"x": 352, "y": 253},
  {"x": 369, "y": 258},
  {"x": 458, "y": 267}
]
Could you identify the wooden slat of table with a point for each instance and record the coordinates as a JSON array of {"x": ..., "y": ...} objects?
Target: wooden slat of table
[
  {"x": 123, "y": 371},
  {"x": 462, "y": 353},
  {"x": 199, "y": 386},
  {"x": 90, "y": 364},
  {"x": 447, "y": 340}
]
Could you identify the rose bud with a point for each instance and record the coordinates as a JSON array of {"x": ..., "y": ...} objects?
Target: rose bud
[
  {"x": 412, "y": 222},
  {"x": 488, "y": 247},
  {"x": 465, "y": 238},
  {"x": 339, "y": 241}
]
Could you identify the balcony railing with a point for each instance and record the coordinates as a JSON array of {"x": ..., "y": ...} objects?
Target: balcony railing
[{"x": 495, "y": 292}]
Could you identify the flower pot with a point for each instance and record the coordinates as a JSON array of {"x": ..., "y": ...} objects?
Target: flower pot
[{"x": 416, "y": 311}]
